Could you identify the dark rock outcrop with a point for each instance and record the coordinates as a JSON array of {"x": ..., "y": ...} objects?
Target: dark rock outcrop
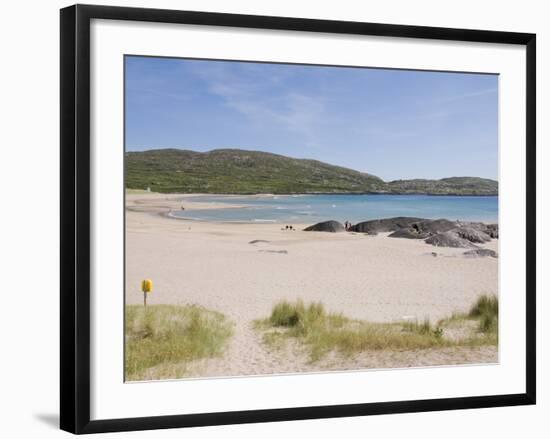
[
  {"x": 385, "y": 225},
  {"x": 409, "y": 233},
  {"x": 413, "y": 227},
  {"x": 492, "y": 230},
  {"x": 439, "y": 232},
  {"x": 432, "y": 227},
  {"x": 472, "y": 235},
  {"x": 326, "y": 226},
  {"x": 449, "y": 239},
  {"x": 481, "y": 252}
]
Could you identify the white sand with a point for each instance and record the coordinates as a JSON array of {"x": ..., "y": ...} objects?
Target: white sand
[{"x": 368, "y": 277}]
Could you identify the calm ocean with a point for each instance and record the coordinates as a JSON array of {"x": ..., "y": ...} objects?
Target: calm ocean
[{"x": 354, "y": 208}]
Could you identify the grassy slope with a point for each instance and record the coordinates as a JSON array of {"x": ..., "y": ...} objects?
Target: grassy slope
[
  {"x": 162, "y": 340},
  {"x": 323, "y": 332},
  {"x": 237, "y": 171},
  {"x": 233, "y": 171},
  {"x": 446, "y": 186}
]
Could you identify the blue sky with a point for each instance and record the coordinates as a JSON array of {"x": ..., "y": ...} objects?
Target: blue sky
[{"x": 391, "y": 123}]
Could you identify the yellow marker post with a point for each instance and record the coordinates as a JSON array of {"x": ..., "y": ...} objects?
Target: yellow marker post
[{"x": 146, "y": 287}]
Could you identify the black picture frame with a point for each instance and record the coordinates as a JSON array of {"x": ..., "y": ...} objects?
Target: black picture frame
[{"x": 75, "y": 217}]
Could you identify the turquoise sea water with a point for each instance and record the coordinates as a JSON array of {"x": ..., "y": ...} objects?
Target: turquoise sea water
[{"x": 353, "y": 208}]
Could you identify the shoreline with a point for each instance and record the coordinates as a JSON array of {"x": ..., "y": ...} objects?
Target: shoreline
[
  {"x": 428, "y": 194},
  {"x": 170, "y": 204}
]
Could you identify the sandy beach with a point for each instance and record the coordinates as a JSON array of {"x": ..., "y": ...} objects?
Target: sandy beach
[{"x": 375, "y": 278}]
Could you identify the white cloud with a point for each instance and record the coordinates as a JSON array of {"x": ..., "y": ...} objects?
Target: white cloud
[{"x": 265, "y": 101}]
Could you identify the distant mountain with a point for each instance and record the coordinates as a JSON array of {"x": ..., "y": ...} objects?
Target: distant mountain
[
  {"x": 446, "y": 186},
  {"x": 235, "y": 171}
]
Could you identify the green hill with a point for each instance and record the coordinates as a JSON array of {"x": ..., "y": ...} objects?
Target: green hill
[
  {"x": 234, "y": 171},
  {"x": 446, "y": 186}
]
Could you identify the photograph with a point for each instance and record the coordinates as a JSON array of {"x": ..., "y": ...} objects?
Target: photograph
[{"x": 292, "y": 218}]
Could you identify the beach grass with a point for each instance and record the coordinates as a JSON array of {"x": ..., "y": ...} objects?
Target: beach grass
[
  {"x": 482, "y": 319},
  {"x": 321, "y": 331},
  {"x": 486, "y": 311},
  {"x": 162, "y": 340}
]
